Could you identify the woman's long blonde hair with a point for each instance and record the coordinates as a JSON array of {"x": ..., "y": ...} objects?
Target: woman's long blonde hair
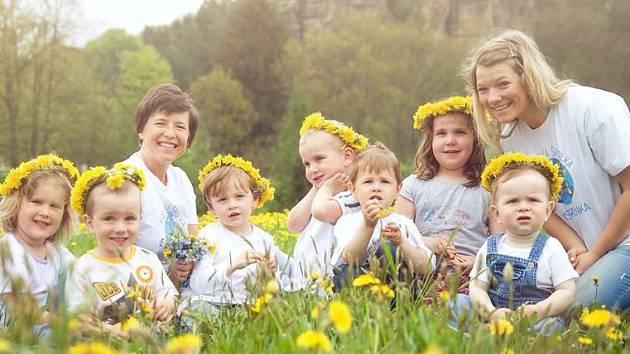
[{"x": 537, "y": 77}]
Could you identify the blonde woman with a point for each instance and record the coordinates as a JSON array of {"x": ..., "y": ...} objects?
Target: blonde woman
[{"x": 520, "y": 105}]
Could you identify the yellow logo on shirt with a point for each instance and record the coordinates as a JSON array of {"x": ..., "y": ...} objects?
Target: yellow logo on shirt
[
  {"x": 106, "y": 290},
  {"x": 144, "y": 273}
]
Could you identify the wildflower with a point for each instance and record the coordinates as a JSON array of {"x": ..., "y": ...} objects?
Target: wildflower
[
  {"x": 73, "y": 326},
  {"x": 272, "y": 287},
  {"x": 115, "y": 181},
  {"x": 314, "y": 276},
  {"x": 260, "y": 301},
  {"x": 444, "y": 296},
  {"x": 501, "y": 327},
  {"x": 92, "y": 348},
  {"x": 585, "y": 340},
  {"x": 382, "y": 291},
  {"x": 383, "y": 212},
  {"x": 432, "y": 349},
  {"x": 599, "y": 318},
  {"x": 508, "y": 351},
  {"x": 314, "y": 339},
  {"x": 211, "y": 247},
  {"x": 4, "y": 346},
  {"x": 187, "y": 343},
  {"x": 595, "y": 279},
  {"x": 130, "y": 324},
  {"x": 340, "y": 316},
  {"x": 167, "y": 253},
  {"x": 614, "y": 334},
  {"x": 365, "y": 279},
  {"x": 315, "y": 312}
]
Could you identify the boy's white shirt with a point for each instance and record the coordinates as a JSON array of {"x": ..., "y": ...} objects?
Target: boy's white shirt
[
  {"x": 208, "y": 280},
  {"x": 554, "y": 266},
  {"x": 38, "y": 278},
  {"x": 97, "y": 282},
  {"x": 315, "y": 247},
  {"x": 348, "y": 225},
  {"x": 178, "y": 195}
]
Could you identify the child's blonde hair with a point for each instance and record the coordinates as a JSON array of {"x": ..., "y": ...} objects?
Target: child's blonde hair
[
  {"x": 10, "y": 205},
  {"x": 427, "y": 165},
  {"x": 222, "y": 177},
  {"x": 521, "y": 53},
  {"x": 375, "y": 158}
]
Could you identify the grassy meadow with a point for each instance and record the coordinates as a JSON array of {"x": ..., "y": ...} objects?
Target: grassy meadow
[{"x": 367, "y": 318}]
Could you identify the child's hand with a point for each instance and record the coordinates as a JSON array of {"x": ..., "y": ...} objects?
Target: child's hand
[
  {"x": 370, "y": 212},
  {"x": 440, "y": 245},
  {"x": 573, "y": 254},
  {"x": 246, "y": 258},
  {"x": 163, "y": 309},
  {"x": 530, "y": 310},
  {"x": 180, "y": 270},
  {"x": 392, "y": 232},
  {"x": 462, "y": 262},
  {"x": 337, "y": 183},
  {"x": 270, "y": 263},
  {"x": 500, "y": 313}
]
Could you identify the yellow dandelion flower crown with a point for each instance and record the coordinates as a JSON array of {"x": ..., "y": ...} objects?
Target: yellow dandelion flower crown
[
  {"x": 113, "y": 178},
  {"x": 347, "y": 134},
  {"x": 266, "y": 191},
  {"x": 16, "y": 176},
  {"x": 434, "y": 109},
  {"x": 511, "y": 160}
]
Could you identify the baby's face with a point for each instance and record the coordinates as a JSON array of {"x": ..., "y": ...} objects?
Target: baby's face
[
  {"x": 376, "y": 187},
  {"x": 522, "y": 203},
  {"x": 322, "y": 156}
]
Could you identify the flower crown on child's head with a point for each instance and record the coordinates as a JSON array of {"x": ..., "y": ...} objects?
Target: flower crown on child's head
[
  {"x": 114, "y": 179},
  {"x": 434, "y": 109},
  {"x": 511, "y": 160},
  {"x": 16, "y": 176},
  {"x": 266, "y": 191},
  {"x": 350, "y": 137}
]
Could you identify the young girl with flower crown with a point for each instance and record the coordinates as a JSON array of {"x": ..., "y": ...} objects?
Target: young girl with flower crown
[
  {"x": 240, "y": 254},
  {"x": 116, "y": 279},
  {"x": 35, "y": 215},
  {"x": 443, "y": 196}
]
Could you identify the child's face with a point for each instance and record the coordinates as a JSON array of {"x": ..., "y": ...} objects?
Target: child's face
[
  {"x": 453, "y": 139},
  {"x": 501, "y": 92},
  {"x": 522, "y": 203},
  {"x": 165, "y": 137},
  {"x": 115, "y": 219},
  {"x": 233, "y": 207},
  {"x": 39, "y": 216},
  {"x": 371, "y": 185},
  {"x": 322, "y": 157}
]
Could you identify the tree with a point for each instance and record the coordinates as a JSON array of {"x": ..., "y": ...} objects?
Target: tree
[{"x": 104, "y": 53}]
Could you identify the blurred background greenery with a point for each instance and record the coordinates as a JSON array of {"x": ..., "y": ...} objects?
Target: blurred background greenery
[{"x": 257, "y": 67}]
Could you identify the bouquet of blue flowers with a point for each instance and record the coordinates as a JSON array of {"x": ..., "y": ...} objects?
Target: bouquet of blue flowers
[{"x": 181, "y": 246}]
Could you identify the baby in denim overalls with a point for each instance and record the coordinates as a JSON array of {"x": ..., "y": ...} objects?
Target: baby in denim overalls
[{"x": 523, "y": 268}]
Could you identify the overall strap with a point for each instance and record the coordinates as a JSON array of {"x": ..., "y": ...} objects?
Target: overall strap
[
  {"x": 492, "y": 243},
  {"x": 537, "y": 248}
]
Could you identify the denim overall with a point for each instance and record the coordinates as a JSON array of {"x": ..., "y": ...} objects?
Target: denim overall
[{"x": 523, "y": 279}]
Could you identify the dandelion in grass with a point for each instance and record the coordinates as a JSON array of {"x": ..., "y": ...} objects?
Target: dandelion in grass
[
  {"x": 599, "y": 318},
  {"x": 4, "y": 346},
  {"x": 260, "y": 302},
  {"x": 340, "y": 316},
  {"x": 314, "y": 340},
  {"x": 327, "y": 286},
  {"x": 130, "y": 324},
  {"x": 501, "y": 327},
  {"x": 445, "y": 296},
  {"x": 508, "y": 351},
  {"x": 272, "y": 287},
  {"x": 185, "y": 344},
  {"x": 432, "y": 349},
  {"x": 92, "y": 348},
  {"x": 315, "y": 313},
  {"x": 382, "y": 292},
  {"x": 365, "y": 279},
  {"x": 614, "y": 334},
  {"x": 314, "y": 276},
  {"x": 585, "y": 340}
]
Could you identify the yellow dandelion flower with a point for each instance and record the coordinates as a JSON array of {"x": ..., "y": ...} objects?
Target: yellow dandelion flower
[
  {"x": 314, "y": 276},
  {"x": 599, "y": 318},
  {"x": 130, "y": 324},
  {"x": 445, "y": 296},
  {"x": 315, "y": 312},
  {"x": 115, "y": 181},
  {"x": 382, "y": 291},
  {"x": 187, "y": 343},
  {"x": 614, "y": 334},
  {"x": 92, "y": 348},
  {"x": 434, "y": 109},
  {"x": 365, "y": 279},
  {"x": 350, "y": 137},
  {"x": 260, "y": 301},
  {"x": 167, "y": 252},
  {"x": 585, "y": 340},
  {"x": 340, "y": 316},
  {"x": 509, "y": 160},
  {"x": 508, "y": 351},
  {"x": 272, "y": 287},
  {"x": 432, "y": 349},
  {"x": 314, "y": 340},
  {"x": 383, "y": 212},
  {"x": 595, "y": 279},
  {"x": 501, "y": 327},
  {"x": 4, "y": 346}
]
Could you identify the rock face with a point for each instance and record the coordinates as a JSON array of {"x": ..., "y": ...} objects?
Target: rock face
[{"x": 458, "y": 18}]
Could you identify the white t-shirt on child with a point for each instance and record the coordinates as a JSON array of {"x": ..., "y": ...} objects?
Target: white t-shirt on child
[
  {"x": 348, "y": 225},
  {"x": 554, "y": 267},
  {"x": 314, "y": 249},
  {"x": 39, "y": 276},
  {"x": 101, "y": 283},
  {"x": 208, "y": 281},
  {"x": 588, "y": 134},
  {"x": 164, "y": 206}
]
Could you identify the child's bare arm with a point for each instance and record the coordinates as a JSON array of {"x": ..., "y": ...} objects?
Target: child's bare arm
[
  {"x": 569, "y": 239},
  {"x": 324, "y": 208},
  {"x": 411, "y": 254},
  {"x": 481, "y": 301},
  {"x": 559, "y": 301},
  {"x": 357, "y": 245},
  {"x": 300, "y": 214},
  {"x": 405, "y": 207}
]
